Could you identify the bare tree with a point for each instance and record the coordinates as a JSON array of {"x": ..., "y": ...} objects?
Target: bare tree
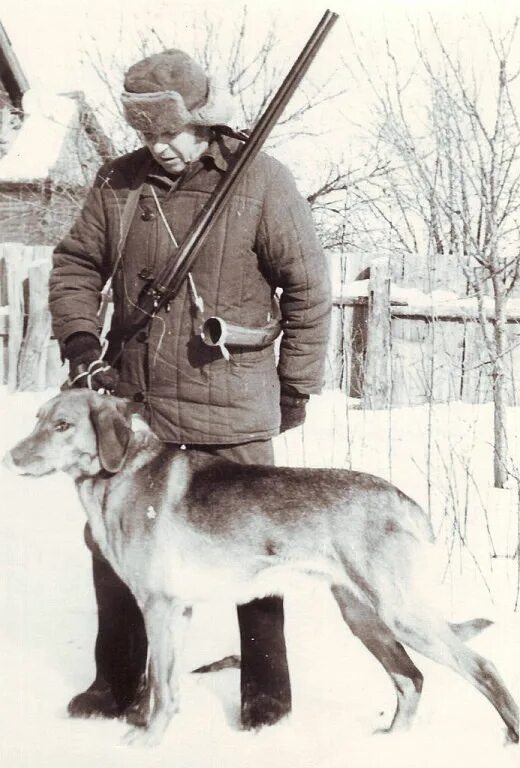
[
  {"x": 454, "y": 187},
  {"x": 252, "y": 67}
]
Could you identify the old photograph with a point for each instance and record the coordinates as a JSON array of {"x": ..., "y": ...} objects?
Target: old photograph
[{"x": 259, "y": 358}]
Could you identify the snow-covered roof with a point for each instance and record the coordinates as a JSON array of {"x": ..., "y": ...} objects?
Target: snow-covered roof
[
  {"x": 51, "y": 124},
  {"x": 36, "y": 148}
]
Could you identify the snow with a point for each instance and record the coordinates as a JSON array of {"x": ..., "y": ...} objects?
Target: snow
[
  {"x": 436, "y": 303},
  {"x": 36, "y": 148},
  {"x": 340, "y": 693}
]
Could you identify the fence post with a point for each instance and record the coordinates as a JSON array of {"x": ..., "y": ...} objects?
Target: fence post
[
  {"x": 377, "y": 374},
  {"x": 17, "y": 257},
  {"x": 334, "y": 373},
  {"x": 33, "y": 357}
]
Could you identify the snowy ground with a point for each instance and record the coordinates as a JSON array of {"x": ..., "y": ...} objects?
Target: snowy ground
[{"x": 340, "y": 693}]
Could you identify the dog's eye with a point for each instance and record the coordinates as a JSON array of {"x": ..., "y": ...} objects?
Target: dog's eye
[{"x": 61, "y": 426}]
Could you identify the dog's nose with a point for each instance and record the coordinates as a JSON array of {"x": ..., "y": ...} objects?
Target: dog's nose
[
  {"x": 8, "y": 461},
  {"x": 11, "y": 461}
]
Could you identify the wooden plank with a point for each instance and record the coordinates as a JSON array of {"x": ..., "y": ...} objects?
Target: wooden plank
[
  {"x": 4, "y": 340},
  {"x": 3, "y": 280},
  {"x": 4, "y": 320},
  {"x": 334, "y": 356},
  {"x": 17, "y": 258},
  {"x": 347, "y": 314},
  {"x": 452, "y": 311},
  {"x": 56, "y": 372},
  {"x": 512, "y": 364},
  {"x": 357, "y": 344},
  {"x": 426, "y": 361},
  {"x": 446, "y": 351},
  {"x": 413, "y": 272},
  {"x": 32, "y": 366},
  {"x": 338, "y": 369},
  {"x": 411, "y": 376},
  {"x": 377, "y": 377}
]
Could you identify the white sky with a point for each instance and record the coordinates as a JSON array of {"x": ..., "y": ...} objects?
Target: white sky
[{"x": 48, "y": 36}]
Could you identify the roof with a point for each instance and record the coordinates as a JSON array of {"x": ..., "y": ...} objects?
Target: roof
[
  {"x": 11, "y": 73},
  {"x": 92, "y": 126},
  {"x": 51, "y": 123}
]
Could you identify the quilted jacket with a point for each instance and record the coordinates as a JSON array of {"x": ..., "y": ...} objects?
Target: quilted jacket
[{"x": 264, "y": 240}]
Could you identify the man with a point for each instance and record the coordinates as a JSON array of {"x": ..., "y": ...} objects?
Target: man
[{"x": 227, "y": 402}]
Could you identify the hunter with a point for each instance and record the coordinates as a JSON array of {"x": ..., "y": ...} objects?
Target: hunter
[{"x": 229, "y": 402}]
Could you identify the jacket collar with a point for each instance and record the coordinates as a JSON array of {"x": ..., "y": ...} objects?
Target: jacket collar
[{"x": 219, "y": 154}]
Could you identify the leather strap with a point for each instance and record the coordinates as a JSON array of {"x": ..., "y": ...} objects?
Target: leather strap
[{"x": 127, "y": 217}]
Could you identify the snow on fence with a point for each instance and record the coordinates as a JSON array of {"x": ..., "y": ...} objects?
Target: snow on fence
[
  {"x": 388, "y": 346},
  {"x": 394, "y": 346}
]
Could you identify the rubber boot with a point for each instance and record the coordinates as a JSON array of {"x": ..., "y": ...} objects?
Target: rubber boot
[
  {"x": 120, "y": 652},
  {"x": 265, "y": 686}
]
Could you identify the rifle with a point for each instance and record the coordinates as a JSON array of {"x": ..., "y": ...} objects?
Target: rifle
[{"x": 165, "y": 286}]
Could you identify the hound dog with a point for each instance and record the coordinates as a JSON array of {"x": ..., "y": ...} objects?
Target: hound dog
[{"x": 181, "y": 527}]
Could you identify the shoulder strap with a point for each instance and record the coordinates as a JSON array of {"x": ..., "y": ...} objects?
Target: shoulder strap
[{"x": 127, "y": 217}]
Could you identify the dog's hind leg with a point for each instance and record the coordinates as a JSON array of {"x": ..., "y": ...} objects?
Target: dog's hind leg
[
  {"x": 377, "y": 637},
  {"x": 166, "y": 622},
  {"x": 436, "y": 639}
]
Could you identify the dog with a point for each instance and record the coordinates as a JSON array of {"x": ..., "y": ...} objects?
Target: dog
[{"x": 180, "y": 527}]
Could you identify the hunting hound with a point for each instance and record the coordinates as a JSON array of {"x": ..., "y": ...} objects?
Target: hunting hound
[{"x": 181, "y": 527}]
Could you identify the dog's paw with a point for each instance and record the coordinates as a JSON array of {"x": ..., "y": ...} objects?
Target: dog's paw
[
  {"x": 142, "y": 737},
  {"x": 138, "y": 713},
  {"x": 149, "y": 736},
  {"x": 383, "y": 730}
]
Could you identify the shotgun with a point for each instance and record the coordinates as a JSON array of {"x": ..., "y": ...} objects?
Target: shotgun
[{"x": 165, "y": 286}]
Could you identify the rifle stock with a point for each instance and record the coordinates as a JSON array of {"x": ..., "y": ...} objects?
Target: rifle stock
[{"x": 166, "y": 285}]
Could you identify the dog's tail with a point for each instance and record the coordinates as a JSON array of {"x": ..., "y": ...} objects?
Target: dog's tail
[
  {"x": 228, "y": 662},
  {"x": 468, "y": 629}
]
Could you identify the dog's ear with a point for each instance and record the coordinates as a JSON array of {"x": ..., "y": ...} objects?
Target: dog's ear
[{"x": 112, "y": 432}]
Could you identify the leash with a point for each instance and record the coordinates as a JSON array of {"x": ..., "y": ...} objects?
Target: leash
[{"x": 99, "y": 365}]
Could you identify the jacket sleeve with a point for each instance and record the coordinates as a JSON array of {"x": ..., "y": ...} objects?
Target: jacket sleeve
[
  {"x": 288, "y": 243},
  {"x": 77, "y": 275}
]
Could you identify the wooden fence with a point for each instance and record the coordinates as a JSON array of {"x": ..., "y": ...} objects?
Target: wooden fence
[
  {"x": 30, "y": 358},
  {"x": 382, "y": 352},
  {"x": 394, "y": 354}
]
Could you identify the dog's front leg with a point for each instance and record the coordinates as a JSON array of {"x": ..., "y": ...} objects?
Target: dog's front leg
[{"x": 166, "y": 622}]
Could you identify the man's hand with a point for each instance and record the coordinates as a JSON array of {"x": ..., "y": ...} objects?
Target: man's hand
[
  {"x": 86, "y": 368},
  {"x": 292, "y": 406}
]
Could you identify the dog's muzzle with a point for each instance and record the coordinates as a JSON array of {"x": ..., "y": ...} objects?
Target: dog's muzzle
[{"x": 9, "y": 463}]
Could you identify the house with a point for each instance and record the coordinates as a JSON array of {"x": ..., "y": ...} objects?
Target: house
[
  {"x": 13, "y": 85},
  {"x": 50, "y": 148}
]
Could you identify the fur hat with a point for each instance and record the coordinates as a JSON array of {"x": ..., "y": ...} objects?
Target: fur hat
[{"x": 169, "y": 90}]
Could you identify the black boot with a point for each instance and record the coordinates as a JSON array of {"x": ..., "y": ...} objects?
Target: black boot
[
  {"x": 97, "y": 701},
  {"x": 265, "y": 687},
  {"x": 120, "y": 653}
]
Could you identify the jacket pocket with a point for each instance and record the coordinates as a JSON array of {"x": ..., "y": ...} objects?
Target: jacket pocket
[{"x": 254, "y": 390}]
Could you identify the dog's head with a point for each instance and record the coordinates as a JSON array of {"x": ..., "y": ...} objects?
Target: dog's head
[{"x": 78, "y": 431}]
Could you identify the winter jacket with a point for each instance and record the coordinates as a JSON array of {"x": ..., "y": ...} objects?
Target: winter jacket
[{"x": 264, "y": 240}]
